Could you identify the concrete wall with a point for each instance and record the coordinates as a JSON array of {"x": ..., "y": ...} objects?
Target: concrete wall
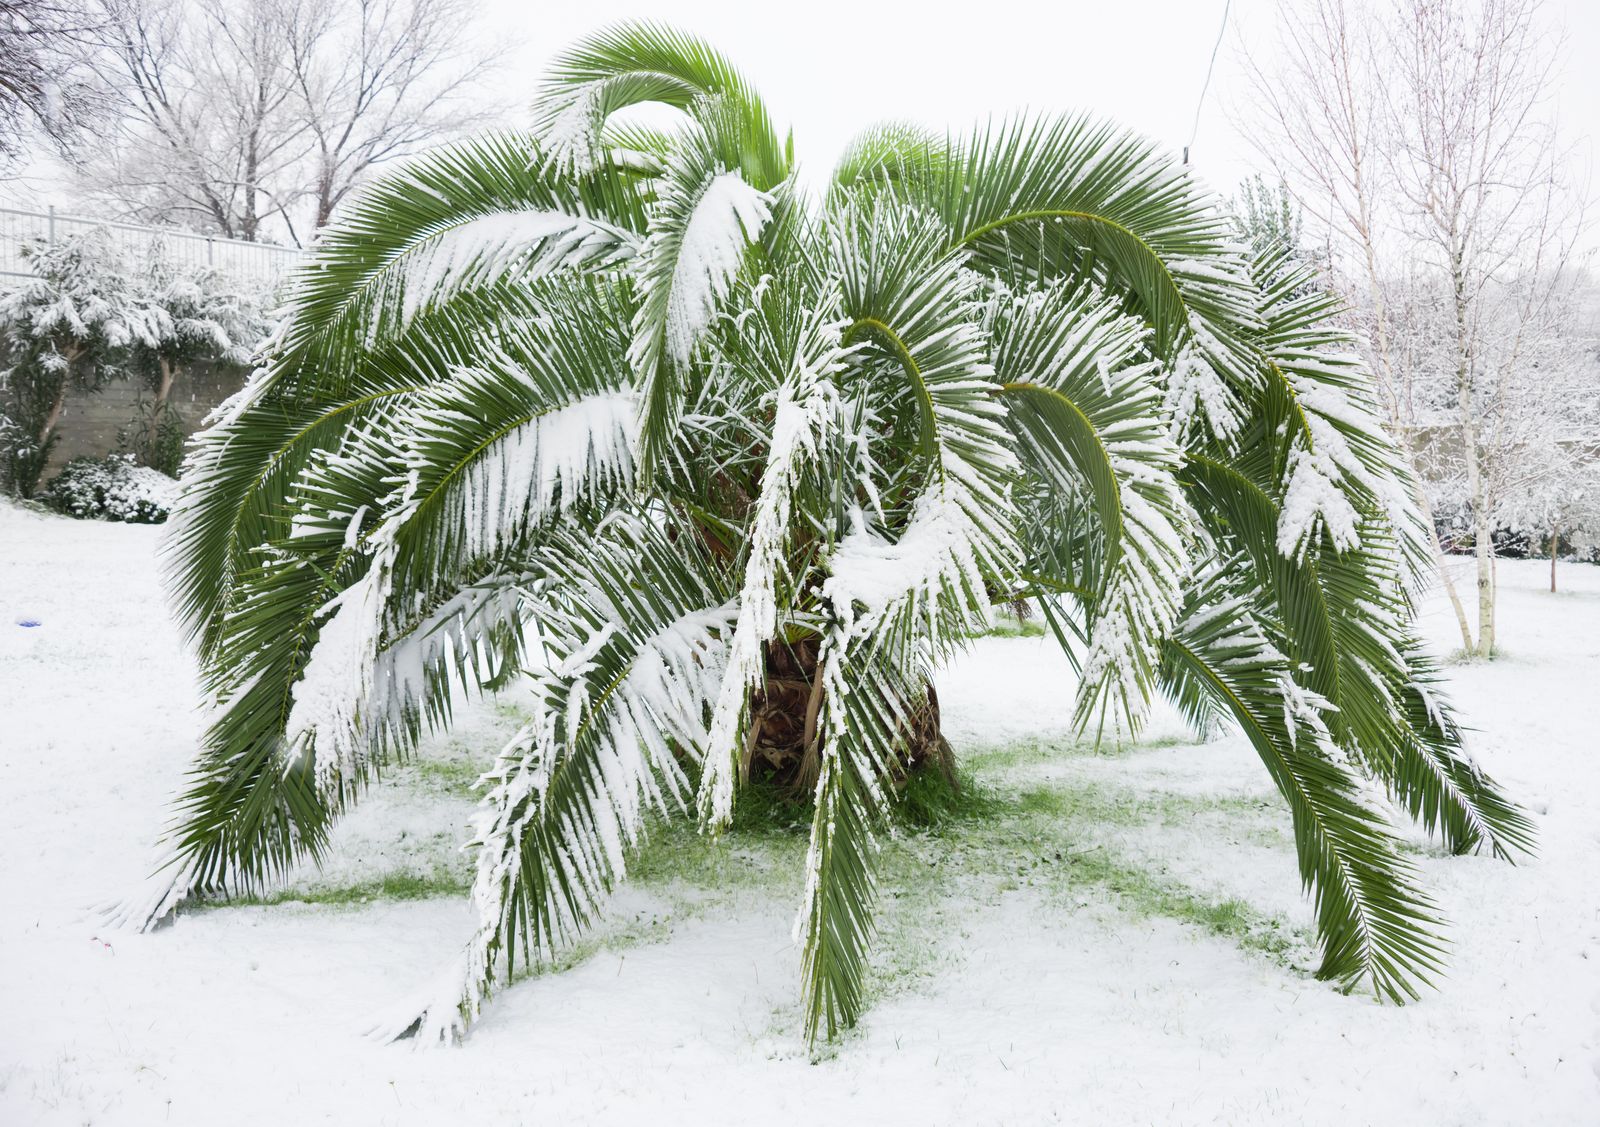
[{"x": 89, "y": 423}]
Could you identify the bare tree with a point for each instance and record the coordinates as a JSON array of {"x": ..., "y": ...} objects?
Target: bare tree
[
  {"x": 1417, "y": 134},
  {"x": 252, "y": 115},
  {"x": 379, "y": 79},
  {"x": 209, "y": 129},
  {"x": 47, "y": 90}
]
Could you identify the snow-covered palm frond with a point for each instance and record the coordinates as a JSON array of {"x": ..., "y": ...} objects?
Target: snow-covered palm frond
[
  {"x": 1436, "y": 780},
  {"x": 481, "y": 460},
  {"x": 870, "y": 691},
  {"x": 1340, "y": 618},
  {"x": 633, "y": 667},
  {"x": 705, "y": 218},
  {"x": 465, "y": 216},
  {"x": 1377, "y": 927},
  {"x": 1032, "y": 195},
  {"x": 809, "y": 350},
  {"x": 633, "y": 64},
  {"x": 240, "y": 473},
  {"x": 910, "y": 305},
  {"x": 1339, "y": 461},
  {"x": 898, "y": 595},
  {"x": 1087, "y": 415}
]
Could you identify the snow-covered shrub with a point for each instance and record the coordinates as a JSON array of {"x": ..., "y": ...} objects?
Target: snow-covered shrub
[
  {"x": 62, "y": 330},
  {"x": 189, "y": 315},
  {"x": 113, "y": 488},
  {"x": 90, "y": 316}
]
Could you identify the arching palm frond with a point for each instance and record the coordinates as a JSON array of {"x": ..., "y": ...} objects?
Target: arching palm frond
[
  {"x": 636, "y": 644},
  {"x": 1377, "y": 927},
  {"x": 1087, "y": 415},
  {"x": 634, "y": 64}
]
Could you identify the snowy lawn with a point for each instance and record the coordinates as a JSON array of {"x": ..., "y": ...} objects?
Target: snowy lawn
[{"x": 1119, "y": 938}]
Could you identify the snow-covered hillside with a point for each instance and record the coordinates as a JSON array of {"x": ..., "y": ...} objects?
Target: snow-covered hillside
[{"x": 1123, "y": 941}]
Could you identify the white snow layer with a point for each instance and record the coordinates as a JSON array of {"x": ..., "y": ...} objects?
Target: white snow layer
[
  {"x": 727, "y": 217},
  {"x": 1041, "y": 1010},
  {"x": 527, "y": 243}
]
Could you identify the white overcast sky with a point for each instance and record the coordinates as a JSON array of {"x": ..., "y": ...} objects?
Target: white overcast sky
[{"x": 830, "y": 67}]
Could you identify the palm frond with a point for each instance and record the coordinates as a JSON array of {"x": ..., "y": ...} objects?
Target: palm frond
[
  {"x": 632, "y": 64},
  {"x": 1377, "y": 927},
  {"x": 805, "y": 350},
  {"x": 867, "y": 691},
  {"x": 635, "y": 631},
  {"x": 1055, "y": 198},
  {"x": 462, "y": 217},
  {"x": 705, "y": 218},
  {"x": 1088, "y": 423}
]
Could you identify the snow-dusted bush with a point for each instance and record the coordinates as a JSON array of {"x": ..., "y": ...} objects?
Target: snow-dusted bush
[
  {"x": 90, "y": 316},
  {"x": 189, "y": 315},
  {"x": 64, "y": 329},
  {"x": 112, "y": 488}
]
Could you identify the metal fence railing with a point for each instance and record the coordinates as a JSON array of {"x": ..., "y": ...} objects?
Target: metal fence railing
[{"x": 258, "y": 262}]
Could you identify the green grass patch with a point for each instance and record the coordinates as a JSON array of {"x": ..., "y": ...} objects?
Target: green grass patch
[
  {"x": 953, "y": 851},
  {"x": 1009, "y": 626},
  {"x": 396, "y": 886}
]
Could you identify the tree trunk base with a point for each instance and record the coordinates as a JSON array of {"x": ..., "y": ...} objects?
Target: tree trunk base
[{"x": 783, "y": 745}]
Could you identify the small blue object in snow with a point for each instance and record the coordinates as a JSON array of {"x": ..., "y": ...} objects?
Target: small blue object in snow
[{"x": 29, "y": 622}]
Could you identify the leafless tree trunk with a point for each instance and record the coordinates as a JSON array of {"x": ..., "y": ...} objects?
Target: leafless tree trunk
[
  {"x": 1555, "y": 538},
  {"x": 379, "y": 79}
]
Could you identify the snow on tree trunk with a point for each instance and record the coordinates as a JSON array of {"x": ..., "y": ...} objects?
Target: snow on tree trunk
[{"x": 1555, "y": 537}]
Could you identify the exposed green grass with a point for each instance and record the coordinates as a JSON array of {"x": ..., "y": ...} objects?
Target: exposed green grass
[
  {"x": 1009, "y": 626},
  {"x": 459, "y": 775},
  {"x": 395, "y": 886},
  {"x": 953, "y": 851}
]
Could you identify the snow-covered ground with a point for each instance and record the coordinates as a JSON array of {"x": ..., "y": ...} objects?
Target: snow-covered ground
[{"x": 1146, "y": 968}]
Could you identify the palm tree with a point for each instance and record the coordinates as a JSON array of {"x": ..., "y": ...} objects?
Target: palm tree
[{"x": 735, "y": 470}]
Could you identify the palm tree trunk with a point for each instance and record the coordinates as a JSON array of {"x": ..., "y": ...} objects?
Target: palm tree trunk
[{"x": 783, "y": 744}]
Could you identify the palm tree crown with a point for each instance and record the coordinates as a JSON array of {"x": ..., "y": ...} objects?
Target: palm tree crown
[{"x": 624, "y": 406}]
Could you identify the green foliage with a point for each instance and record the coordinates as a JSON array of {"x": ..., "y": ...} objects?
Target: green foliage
[
  {"x": 625, "y": 407},
  {"x": 155, "y": 437}
]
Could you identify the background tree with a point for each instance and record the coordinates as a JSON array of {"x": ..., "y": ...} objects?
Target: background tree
[
  {"x": 258, "y": 116},
  {"x": 188, "y": 316},
  {"x": 380, "y": 79},
  {"x": 1419, "y": 136},
  {"x": 750, "y": 466},
  {"x": 62, "y": 330},
  {"x": 89, "y": 317},
  {"x": 208, "y": 133},
  {"x": 47, "y": 87}
]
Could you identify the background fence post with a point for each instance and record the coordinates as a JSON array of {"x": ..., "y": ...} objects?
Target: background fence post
[{"x": 50, "y": 226}]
